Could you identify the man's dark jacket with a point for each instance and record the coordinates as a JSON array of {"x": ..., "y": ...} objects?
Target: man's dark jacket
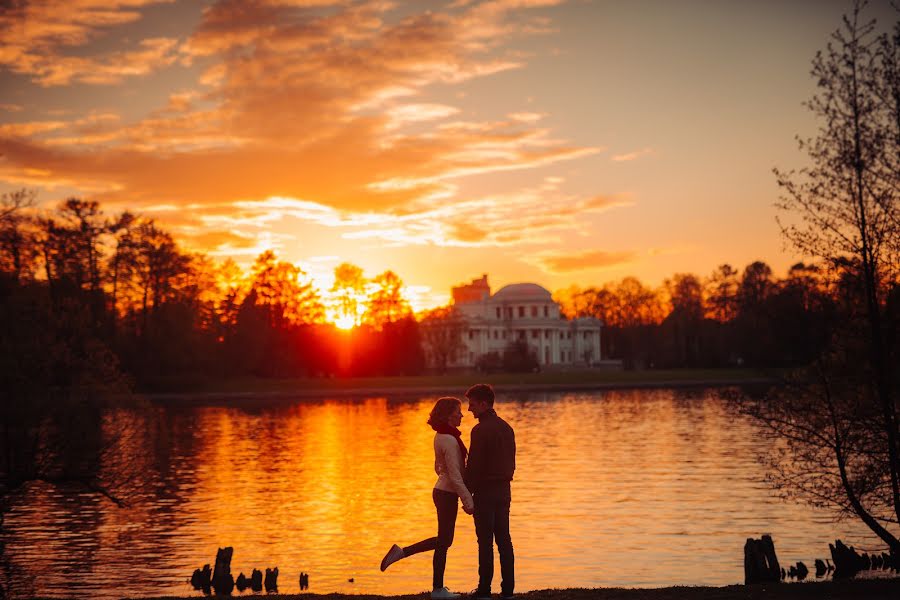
[{"x": 492, "y": 453}]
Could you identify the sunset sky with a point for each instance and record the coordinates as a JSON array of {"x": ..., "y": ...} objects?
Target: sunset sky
[{"x": 550, "y": 141}]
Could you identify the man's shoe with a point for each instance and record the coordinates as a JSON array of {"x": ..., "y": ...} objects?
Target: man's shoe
[
  {"x": 443, "y": 594},
  {"x": 392, "y": 556},
  {"x": 477, "y": 594}
]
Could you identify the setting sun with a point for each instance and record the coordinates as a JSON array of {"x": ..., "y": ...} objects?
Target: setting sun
[{"x": 345, "y": 322}]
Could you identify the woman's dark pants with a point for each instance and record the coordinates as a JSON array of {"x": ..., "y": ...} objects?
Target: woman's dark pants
[
  {"x": 492, "y": 523},
  {"x": 447, "y": 507}
]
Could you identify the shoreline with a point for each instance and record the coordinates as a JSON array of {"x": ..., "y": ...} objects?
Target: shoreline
[
  {"x": 260, "y": 390},
  {"x": 851, "y": 589}
]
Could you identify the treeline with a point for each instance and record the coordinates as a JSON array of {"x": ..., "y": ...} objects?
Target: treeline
[
  {"x": 730, "y": 318},
  {"x": 88, "y": 299}
]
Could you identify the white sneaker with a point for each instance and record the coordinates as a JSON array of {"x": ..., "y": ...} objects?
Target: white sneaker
[
  {"x": 392, "y": 556},
  {"x": 443, "y": 594}
]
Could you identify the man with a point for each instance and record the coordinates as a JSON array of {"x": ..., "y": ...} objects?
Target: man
[{"x": 492, "y": 461}]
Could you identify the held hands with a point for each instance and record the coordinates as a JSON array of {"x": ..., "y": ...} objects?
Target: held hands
[{"x": 469, "y": 510}]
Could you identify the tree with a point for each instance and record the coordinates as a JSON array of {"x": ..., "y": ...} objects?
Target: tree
[
  {"x": 442, "y": 335},
  {"x": 685, "y": 321},
  {"x": 281, "y": 288},
  {"x": 17, "y": 244},
  {"x": 349, "y": 287},
  {"x": 722, "y": 293},
  {"x": 386, "y": 303},
  {"x": 841, "y": 430}
]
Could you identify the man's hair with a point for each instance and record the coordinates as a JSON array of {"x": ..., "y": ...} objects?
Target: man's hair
[
  {"x": 442, "y": 410},
  {"x": 481, "y": 392}
]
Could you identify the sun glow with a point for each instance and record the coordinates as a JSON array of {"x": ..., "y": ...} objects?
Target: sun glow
[{"x": 344, "y": 322}]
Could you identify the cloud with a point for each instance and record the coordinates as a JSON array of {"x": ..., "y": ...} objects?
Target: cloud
[
  {"x": 304, "y": 100},
  {"x": 588, "y": 260},
  {"x": 632, "y": 155},
  {"x": 213, "y": 240},
  {"x": 526, "y": 117},
  {"x": 38, "y": 39}
]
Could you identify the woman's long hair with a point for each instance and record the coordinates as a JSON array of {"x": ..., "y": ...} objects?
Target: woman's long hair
[{"x": 442, "y": 410}]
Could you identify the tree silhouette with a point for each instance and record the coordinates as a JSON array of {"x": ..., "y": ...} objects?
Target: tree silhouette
[
  {"x": 349, "y": 287},
  {"x": 442, "y": 330},
  {"x": 842, "y": 430},
  {"x": 386, "y": 303}
]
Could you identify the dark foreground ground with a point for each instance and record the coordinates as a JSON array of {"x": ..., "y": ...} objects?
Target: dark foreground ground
[{"x": 872, "y": 589}]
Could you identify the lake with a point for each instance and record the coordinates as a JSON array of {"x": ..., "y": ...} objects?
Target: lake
[{"x": 641, "y": 488}]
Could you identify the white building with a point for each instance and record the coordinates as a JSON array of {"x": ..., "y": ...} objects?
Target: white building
[{"x": 526, "y": 312}]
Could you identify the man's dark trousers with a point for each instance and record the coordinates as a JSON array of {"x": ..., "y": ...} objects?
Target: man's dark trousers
[{"x": 492, "y": 523}]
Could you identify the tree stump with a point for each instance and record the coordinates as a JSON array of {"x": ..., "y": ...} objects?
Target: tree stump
[
  {"x": 271, "y": 582},
  {"x": 222, "y": 580},
  {"x": 242, "y": 583},
  {"x": 847, "y": 563},
  {"x": 201, "y": 578},
  {"x": 760, "y": 562},
  {"x": 820, "y": 567},
  {"x": 256, "y": 580}
]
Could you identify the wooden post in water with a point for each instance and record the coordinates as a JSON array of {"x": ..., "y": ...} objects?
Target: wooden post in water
[{"x": 760, "y": 562}]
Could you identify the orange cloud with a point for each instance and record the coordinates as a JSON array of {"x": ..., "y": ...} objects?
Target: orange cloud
[
  {"x": 294, "y": 102},
  {"x": 210, "y": 240},
  {"x": 568, "y": 262},
  {"x": 36, "y": 34},
  {"x": 632, "y": 155}
]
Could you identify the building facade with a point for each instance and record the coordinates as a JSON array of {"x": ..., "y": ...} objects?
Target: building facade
[{"x": 523, "y": 312}]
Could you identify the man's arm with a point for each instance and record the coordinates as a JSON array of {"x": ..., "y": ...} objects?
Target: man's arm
[{"x": 475, "y": 464}]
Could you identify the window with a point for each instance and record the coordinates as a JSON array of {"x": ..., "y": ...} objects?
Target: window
[
  {"x": 521, "y": 311},
  {"x": 496, "y": 334},
  {"x": 533, "y": 311},
  {"x": 509, "y": 312},
  {"x": 471, "y": 335},
  {"x": 535, "y": 334},
  {"x": 522, "y": 334},
  {"x": 504, "y": 335},
  {"x": 546, "y": 311},
  {"x": 498, "y": 312},
  {"x": 471, "y": 357},
  {"x": 547, "y": 335},
  {"x": 587, "y": 335}
]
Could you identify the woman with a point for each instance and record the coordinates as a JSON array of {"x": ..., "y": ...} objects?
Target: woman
[{"x": 449, "y": 463}]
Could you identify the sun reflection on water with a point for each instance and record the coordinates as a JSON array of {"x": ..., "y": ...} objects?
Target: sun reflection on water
[{"x": 612, "y": 489}]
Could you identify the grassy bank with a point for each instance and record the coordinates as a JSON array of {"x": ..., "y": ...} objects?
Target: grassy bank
[
  {"x": 456, "y": 383},
  {"x": 871, "y": 589}
]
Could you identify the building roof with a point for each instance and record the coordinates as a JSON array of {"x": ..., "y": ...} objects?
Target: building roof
[{"x": 522, "y": 292}]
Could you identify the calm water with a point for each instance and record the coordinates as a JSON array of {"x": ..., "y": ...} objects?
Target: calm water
[{"x": 624, "y": 488}]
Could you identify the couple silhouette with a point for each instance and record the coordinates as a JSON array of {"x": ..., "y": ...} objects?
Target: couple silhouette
[{"x": 480, "y": 477}]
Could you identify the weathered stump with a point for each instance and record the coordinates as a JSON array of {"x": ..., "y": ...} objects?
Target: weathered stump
[
  {"x": 821, "y": 569},
  {"x": 271, "y": 582},
  {"x": 201, "y": 578},
  {"x": 847, "y": 563},
  {"x": 222, "y": 580},
  {"x": 256, "y": 580},
  {"x": 241, "y": 583},
  {"x": 760, "y": 562}
]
